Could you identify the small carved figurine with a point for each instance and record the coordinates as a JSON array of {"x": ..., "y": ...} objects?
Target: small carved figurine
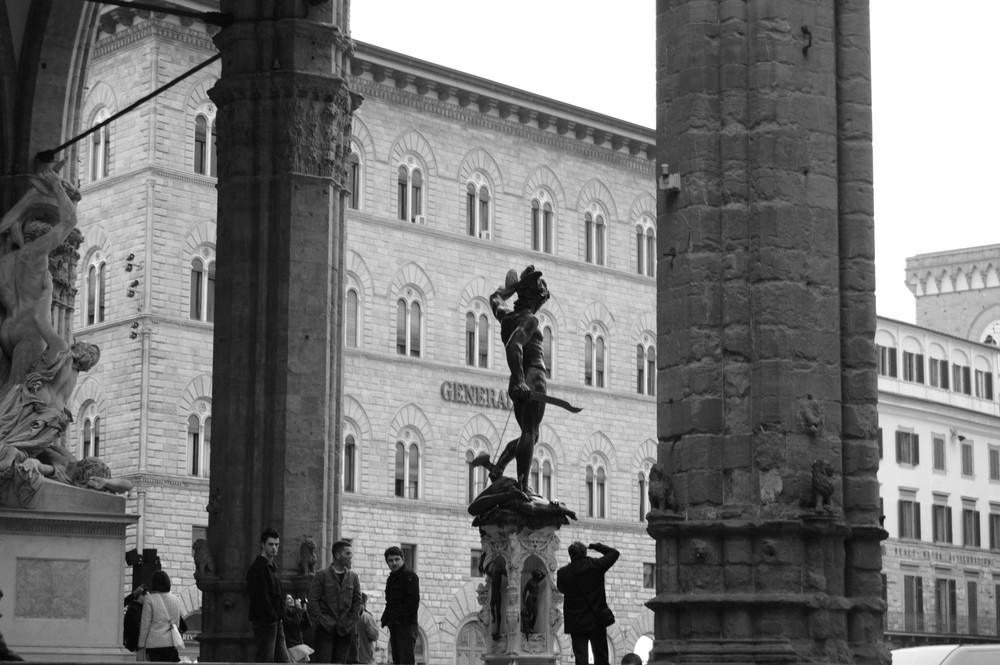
[
  {"x": 812, "y": 416},
  {"x": 496, "y": 570},
  {"x": 203, "y": 563},
  {"x": 307, "y": 556},
  {"x": 661, "y": 490},
  {"x": 529, "y": 602},
  {"x": 822, "y": 484}
]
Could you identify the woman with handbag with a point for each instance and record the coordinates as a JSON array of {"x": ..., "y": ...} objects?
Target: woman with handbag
[{"x": 159, "y": 637}]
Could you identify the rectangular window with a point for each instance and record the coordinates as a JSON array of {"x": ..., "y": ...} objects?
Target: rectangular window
[
  {"x": 909, "y": 519},
  {"x": 941, "y": 526},
  {"x": 475, "y": 556},
  {"x": 945, "y": 601},
  {"x": 649, "y": 576},
  {"x": 994, "y": 519},
  {"x": 967, "y": 466},
  {"x": 984, "y": 384},
  {"x": 907, "y": 448},
  {"x": 939, "y": 373},
  {"x": 886, "y": 360},
  {"x": 972, "y": 604},
  {"x": 994, "y": 463},
  {"x": 971, "y": 534},
  {"x": 939, "y": 463},
  {"x": 409, "y": 555},
  {"x": 961, "y": 379},
  {"x": 913, "y": 603},
  {"x": 913, "y": 367}
]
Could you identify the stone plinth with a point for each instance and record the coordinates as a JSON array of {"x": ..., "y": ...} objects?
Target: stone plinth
[
  {"x": 63, "y": 564},
  {"x": 523, "y": 545}
]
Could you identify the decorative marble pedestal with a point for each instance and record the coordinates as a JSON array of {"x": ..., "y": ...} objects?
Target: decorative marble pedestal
[
  {"x": 514, "y": 546},
  {"x": 62, "y": 575}
]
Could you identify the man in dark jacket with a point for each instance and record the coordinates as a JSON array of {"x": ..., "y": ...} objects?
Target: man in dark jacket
[
  {"x": 267, "y": 602},
  {"x": 335, "y": 605},
  {"x": 585, "y": 606},
  {"x": 402, "y": 598}
]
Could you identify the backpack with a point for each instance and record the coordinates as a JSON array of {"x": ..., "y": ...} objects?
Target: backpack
[{"x": 133, "y": 620}]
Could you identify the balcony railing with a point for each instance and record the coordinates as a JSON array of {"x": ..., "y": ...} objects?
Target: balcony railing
[{"x": 956, "y": 624}]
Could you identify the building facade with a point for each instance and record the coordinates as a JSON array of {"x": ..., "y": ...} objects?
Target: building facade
[
  {"x": 940, "y": 485},
  {"x": 455, "y": 180}
]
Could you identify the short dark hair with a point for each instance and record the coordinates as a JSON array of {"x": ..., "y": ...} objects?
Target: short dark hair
[
  {"x": 339, "y": 546},
  {"x": 395, "y": 550},
  {"x": 631, "y": 659},
  {"x": 160, "y": 581},
  {"x": 577, "y": 550},
  {"x": 267, "y": 534}
]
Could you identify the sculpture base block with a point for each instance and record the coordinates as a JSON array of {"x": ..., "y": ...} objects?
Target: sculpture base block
[
  {"x": 520, "y": 562},
  {"x": 63, "y": 573}
]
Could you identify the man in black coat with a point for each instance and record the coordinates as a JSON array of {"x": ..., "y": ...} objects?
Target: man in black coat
[
  {"x": 402, "y": 598},
  {"x": 586, "y": 614},
  {"x": 267, "y": 602}
]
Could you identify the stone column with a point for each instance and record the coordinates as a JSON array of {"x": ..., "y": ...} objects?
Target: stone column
[
  {"x": 766, "y": 319},
  {"x": 514, "y": 548},
  {"x": 284, "y": 136}
]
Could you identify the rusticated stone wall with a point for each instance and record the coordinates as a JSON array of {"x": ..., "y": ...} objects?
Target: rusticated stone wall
[{"x": 766, "y": 320}]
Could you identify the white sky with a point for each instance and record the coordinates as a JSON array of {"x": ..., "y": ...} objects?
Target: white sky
[{"x": 935, "y": 78}]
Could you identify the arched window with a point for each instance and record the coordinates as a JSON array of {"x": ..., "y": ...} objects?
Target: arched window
[
  {"x": 470, "y": 647},
  {"x": 199, "y": 438},
  {"x": 204, "y": 141},
  {"x": 477, "y": 340},
  {"x": 542, "y": 225},
  {"x": 354, "y": 181},
  {"x": 407, "y": 477},
  {"x": 351, "y": 319},
  {"x": 96, "y": 286},
  {"x": 476, "y": 478},
  {"x": 645, "y": 247},
  {"x": 90, "y": 431},
  {"x": 547, "y": 336},
  {"x": 478, "y": 211},
  {"x": 350, "y": 462},
  {"x": 202, "y": 303},
  {"x": 597, "y": 495},
  {"x": 100, "y": 147},
  {"x": 409, "y": 324},
  {"x": 594, "y": 359},
  {"x": 410, "y": 185},
  {"x": 643, "y": 488},
  {"x": 595, "y": 237},
  {"x": 645, "y": 369},
  {"x": 541, "y": 474}
]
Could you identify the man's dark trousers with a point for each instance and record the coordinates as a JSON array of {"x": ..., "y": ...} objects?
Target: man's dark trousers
[
  {"x": 331, "y": 647},
  {"x": 270, "y": 638},
  {"x": 401, "y": 640},
  {"x": 598, "y": 639}
]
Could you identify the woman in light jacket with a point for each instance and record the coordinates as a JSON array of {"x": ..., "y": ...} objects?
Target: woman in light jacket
[{"x": 159, "y": 609}]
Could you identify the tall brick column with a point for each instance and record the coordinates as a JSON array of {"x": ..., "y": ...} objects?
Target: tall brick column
[
  {"x": 766, "y": 318},
  {"x": 284, "y": 135}
]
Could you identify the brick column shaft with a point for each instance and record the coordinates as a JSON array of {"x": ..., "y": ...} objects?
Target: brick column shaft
[
  {"x": 766, "y": 323},
  {"x": 284, "y": 136}
]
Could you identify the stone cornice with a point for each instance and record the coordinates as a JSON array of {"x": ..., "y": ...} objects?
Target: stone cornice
[
  {"x": 146, "y": 480},
  {"x": 547, "y": 119},
  {"x": 64, "y": 524},
  {"x": 128, "y": 35},
  {"x": 468, "y": 115}
]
